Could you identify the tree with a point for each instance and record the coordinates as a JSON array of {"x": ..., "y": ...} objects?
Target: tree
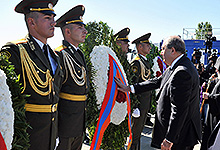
[
  {"x": 203, "y": 29},
  {"x": 115, "y": 136}
]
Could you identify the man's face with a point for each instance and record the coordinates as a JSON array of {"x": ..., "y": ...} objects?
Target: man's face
[
  {"x": 146, "y": 48},
  {"x": 44, "y": 25},
  {"x": 166, "y": 54},
  {"x": 78, "y": 34},
  {"x": 124, "y": 46}
]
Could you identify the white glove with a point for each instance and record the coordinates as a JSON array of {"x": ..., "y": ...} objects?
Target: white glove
[{"x": 136, "y": 113}]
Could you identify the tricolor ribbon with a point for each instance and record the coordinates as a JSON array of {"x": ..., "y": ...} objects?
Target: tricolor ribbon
[
  {"x": 108, "y": 104},
  {"x": 162, "y": 65},
  {"x": 2, "y": 143}
]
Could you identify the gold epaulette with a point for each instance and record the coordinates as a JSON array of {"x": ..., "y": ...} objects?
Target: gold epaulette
[
  {"x": 135, "y": 58},
  {"x": 60, "y": 48},
  {"x": 19, "y": 41}
]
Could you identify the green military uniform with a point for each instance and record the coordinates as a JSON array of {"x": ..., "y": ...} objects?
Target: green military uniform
[
  {"x": 43, "y": 88},
  {"x": 39, "y": 81},
  {"x": 74, "y": 89},
  {"x": 141, "y": 68}
]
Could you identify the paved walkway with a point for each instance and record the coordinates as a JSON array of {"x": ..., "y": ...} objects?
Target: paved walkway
[{"x": 145, "y": 139}]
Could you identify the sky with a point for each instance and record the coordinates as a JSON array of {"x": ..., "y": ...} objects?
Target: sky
[{"x": 162, "y": 18}]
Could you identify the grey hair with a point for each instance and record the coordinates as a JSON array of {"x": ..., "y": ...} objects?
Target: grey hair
[{"x": 177, "y": 43}]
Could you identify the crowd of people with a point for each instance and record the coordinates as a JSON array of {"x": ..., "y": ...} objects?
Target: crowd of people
[
  {"x": 57, "y": 85},
  {"x": 209, "y": 101}
]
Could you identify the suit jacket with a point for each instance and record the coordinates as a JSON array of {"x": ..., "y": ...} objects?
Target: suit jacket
[
  {"x": 141, "y": 70},
  {"x": 213, "y": 114},
  {"x": 177, "y": 114},
  {"x": 72, "y": 113},
  {"x": 215, "y": 137},
  {"x": 43, "y": 131}
]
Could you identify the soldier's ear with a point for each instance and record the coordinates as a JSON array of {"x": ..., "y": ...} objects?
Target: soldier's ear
[
  {"x": 67, "y": 31},
  {"x": 31, "y": 22}
]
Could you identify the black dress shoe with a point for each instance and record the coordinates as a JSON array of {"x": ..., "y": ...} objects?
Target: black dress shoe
[{"x": 149, "y": 123}]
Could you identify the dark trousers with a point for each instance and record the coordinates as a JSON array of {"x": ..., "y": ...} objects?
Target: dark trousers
[
  {"x": 137, "y": 127},
  {"x": 72, "y": 143}
]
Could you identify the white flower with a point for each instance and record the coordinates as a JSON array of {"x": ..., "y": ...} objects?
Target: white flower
[
  {"x": 100, "y": 61},
  {"x": 7, "y": 113},
  {"x": 155, "y": 67},
  {"x": 119, "y": 113}
]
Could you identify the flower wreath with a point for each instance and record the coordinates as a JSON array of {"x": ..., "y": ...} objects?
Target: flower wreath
[
  {"x": 159, "y": 66},
  {"x": 7, "y": 114},
  {"x": 99, "y": 58}
]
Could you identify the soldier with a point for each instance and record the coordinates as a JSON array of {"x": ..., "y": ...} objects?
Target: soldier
[
  {"x": 122, "y": 41},
  {"x": 141, "y": 68},
  {"x": 75, "y": 87},
  {"x": 40, "y": 71}
]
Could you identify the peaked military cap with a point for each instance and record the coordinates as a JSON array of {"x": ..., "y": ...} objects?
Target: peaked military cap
[
  {"x": 122, "y": 35},
  {"x": 74, "y": 15},
  {"x": 43, "y": 6},
  {"x": 142, "y": 39}
]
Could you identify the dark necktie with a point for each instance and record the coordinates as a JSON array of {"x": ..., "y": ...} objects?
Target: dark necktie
[{"x": 46, "y": 54}]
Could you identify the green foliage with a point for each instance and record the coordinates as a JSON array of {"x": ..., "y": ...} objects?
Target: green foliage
[
  {"x": 20, "y": 138},
  {"x": 203, "y": 29},
  {"x": 153, "y": 53},
  {"x": 100, "y": 33}
]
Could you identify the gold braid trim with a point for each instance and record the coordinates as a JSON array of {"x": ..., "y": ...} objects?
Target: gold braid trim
[
  {"x": 69, "y": 63},
  {"x": 144, "y": 71},
  {"x": 30, "y": 67}
]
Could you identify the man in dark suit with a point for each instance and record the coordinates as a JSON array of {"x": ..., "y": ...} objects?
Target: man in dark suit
[
  {"x": 75, "y": 87},
  {"x": 40, "y": 71},
  {"x": 141, "y": 69},
  {"x": 177, "y": 121}
]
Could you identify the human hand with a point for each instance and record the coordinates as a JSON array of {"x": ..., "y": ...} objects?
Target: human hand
[
  {"x": 121, "y": 86},
  {"x": 165, "y": 145},
  {"x": 205, "y": 95}
]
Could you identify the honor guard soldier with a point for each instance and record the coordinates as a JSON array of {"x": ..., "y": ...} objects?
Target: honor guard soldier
[
  {"x": 122, "y": 41},
  {"x": 73, "y": 95},
  {"x": 141, "y": 69},
  {"x": 40, "y": 71}
]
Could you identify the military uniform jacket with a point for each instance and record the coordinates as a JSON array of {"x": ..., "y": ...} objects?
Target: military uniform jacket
[
  {"x": 177, "y": 113},
  {"x": 43, "y": 124},
  {"x": 141, "y": 69},
  {"x": 72, "y": 110}
]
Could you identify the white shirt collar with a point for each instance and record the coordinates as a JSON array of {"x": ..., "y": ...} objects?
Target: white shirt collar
[
  {"x": 76, "y": 48},
  {"x": 41, "y": 44},
  {"x": 143, "y": 57},
  {"x": 178, "y": 58}
]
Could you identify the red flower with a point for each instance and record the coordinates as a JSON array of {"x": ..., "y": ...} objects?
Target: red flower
[
  {"x": 158, "y": 73},
  {"x": 121, "y": 97},
  {"x": 160, "y": 64}
]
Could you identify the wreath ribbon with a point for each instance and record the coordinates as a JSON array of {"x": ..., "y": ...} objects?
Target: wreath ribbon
[
  {"x": 2, "y": 143},
  {"x": 108, "y": 104}
]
